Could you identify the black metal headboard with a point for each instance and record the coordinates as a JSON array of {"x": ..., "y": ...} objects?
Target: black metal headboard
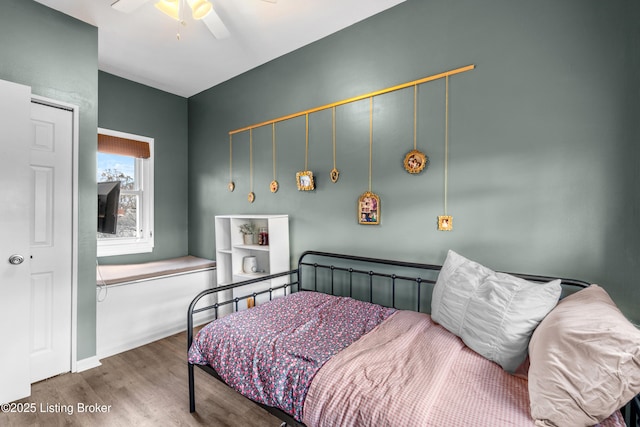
[{"x": 398, "y": 284}]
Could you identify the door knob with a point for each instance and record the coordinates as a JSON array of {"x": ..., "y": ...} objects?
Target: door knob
[{"x": 16, "y": 259}]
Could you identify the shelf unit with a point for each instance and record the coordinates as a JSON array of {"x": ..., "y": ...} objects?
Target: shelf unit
[{"x": 231, "y": 250}]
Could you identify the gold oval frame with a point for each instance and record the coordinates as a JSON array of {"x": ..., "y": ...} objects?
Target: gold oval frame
[
  {"x": 415, "y": 161},
  {"x": 251, "y": 197},
  {"x": 231, "y": 186},
  {"x": 305, "y": 181},
  {"x": 334, "y": 175},
  {"x": 274, "y": 186}
]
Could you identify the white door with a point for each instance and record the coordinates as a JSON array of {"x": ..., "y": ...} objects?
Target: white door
[
  {"x": 15, "y": 289},
  {"x": 51, "y": 165}
]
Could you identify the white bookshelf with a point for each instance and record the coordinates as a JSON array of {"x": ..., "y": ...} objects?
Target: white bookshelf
[{"x": 231, "y": 250}]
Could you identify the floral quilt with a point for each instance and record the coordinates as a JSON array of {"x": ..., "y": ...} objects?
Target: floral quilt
[{"x": 272, "y": 352}]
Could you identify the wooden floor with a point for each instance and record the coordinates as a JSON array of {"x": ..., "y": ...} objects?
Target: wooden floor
[{"x": 146, "y": 386}]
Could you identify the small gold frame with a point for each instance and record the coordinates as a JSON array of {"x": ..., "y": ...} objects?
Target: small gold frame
[
  {"x": 305, "y": 181},
  {"x": 231, "y": 186},
  {"x": 274, "y": 186},
  {"x": 334, "y": 175},
  {"x": 415, "y": 161},
  {"x": 445, "y": 223},
  {"x": 251, "y": 197},
  {"x": 369, "y": 209}
]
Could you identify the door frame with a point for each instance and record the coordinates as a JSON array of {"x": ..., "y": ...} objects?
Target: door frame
[{"x": 75, "y": 111}]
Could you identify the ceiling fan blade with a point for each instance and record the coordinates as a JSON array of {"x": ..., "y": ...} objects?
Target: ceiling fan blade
[
  {"x": 216, "y": 26},
  {"x": 127, "y": 6}
]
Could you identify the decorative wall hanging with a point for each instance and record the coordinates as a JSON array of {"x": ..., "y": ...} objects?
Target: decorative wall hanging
[
  {"x": 251, "y": 197},
  {"x": 415, "y": 160},
  {"x": 357, "y": 98},
  {"x": 368, "y": 202},
  {"x": 445, "y": 222},
  {"x": 274, "y": 184},
  {"x": 231, "y": 186},
  {"x": 335, "y": 173},
  {"x": 305, "y": 178}
]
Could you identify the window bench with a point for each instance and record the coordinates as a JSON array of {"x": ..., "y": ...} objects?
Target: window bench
[{"x": 141, "y": 303}]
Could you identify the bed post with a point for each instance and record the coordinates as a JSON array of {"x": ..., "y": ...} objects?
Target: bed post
[{"x": 192, "y": 397}]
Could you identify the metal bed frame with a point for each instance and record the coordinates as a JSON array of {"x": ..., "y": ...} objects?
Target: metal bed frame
[
  {"x": 631, "y": 412},
  {"x": 396, "y": 284}
]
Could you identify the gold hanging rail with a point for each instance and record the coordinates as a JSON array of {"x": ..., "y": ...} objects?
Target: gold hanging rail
[{"x": 357, "y": 98}]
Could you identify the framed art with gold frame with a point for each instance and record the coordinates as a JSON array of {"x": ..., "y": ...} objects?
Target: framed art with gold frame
[
  {"x": 415, "y": 161},
  {"x": 305, "y": 181},
  {"x": 445, "y": 223},
  {"x": 369, "y": 209}
]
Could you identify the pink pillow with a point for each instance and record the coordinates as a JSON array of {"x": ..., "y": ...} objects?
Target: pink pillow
[{"x": 584, "y": 361}]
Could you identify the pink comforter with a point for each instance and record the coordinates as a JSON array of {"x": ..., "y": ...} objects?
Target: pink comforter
[{"x": 411, "y": 372}]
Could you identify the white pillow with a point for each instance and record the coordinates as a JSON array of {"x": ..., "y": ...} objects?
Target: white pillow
[
  {"x": 585, "y": 361},
  {"x": 493, "y": 313}
]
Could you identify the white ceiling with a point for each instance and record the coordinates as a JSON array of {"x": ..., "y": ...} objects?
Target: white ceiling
[{"x": 142, "y": 46}]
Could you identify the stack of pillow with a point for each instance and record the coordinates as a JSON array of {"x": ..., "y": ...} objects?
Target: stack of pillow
[{"x": 584, "y": 355}]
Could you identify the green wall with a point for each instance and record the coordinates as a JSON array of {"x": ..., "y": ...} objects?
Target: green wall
[
  {"x": 543, "y": 172},
  {"x": 58, "y": 57},
  {"x": 134, "y": 108}
]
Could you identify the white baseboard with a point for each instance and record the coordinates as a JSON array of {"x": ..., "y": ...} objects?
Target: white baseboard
[
  {"x": 139, "y": 341},
  {"x": 88, "y": 363}
]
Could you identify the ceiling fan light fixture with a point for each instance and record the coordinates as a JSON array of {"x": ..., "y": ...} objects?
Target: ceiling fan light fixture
[
  {"x": 200, "y": 8},
  {"x": 170, "y": 8}
]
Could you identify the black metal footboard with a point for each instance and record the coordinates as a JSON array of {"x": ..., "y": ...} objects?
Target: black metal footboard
[{"x": 233, "y": 305}]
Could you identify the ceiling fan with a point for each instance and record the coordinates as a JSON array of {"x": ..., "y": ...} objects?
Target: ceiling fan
[{"x": 201, "y": 10}]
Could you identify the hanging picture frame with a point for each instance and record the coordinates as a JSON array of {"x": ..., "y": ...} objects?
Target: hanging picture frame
[
  {"x": 305, "y": 178},
  {"x": 369, "y": 202},
  {"x": 231, "y": 185},
  {"x": 415, "y": 161},
  {"x": 305, "y": 181},
  {"x": 251, "y": 197},
  {"x": 334, "y": 175},
  {"x": 445, "y": 223},
  {"x": 369, "y": 208},
  {"x": 273, "y": 186}
]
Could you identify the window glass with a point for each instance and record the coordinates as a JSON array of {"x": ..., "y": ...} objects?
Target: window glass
[
  {"x": 134, "y": 226},
  {"x": 114, "y": 167}
]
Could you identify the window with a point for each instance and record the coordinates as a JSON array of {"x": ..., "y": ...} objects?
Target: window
[{"x": 129, "y": 159}]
